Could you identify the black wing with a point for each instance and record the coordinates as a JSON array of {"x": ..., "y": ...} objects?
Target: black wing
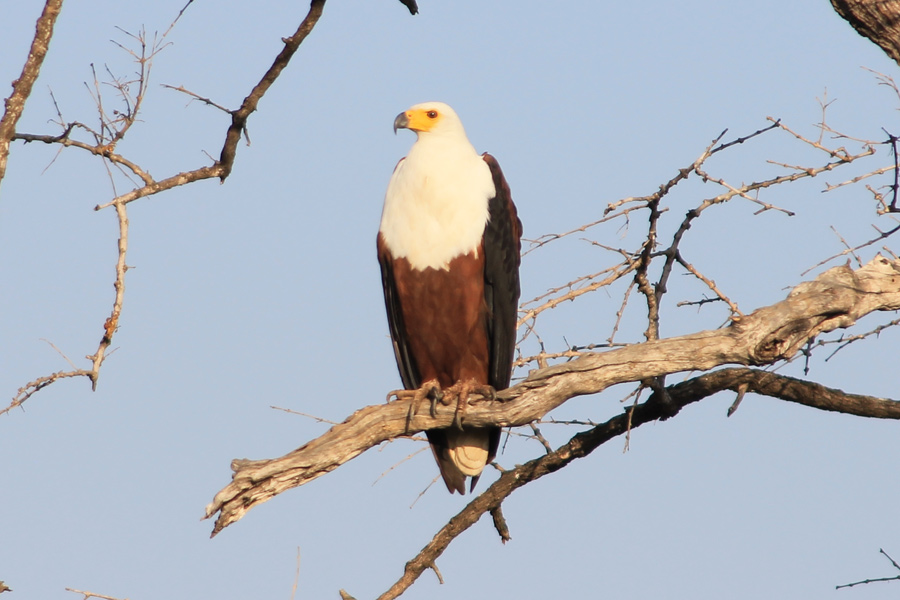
[
  {"x": 408, "y": 372},
  {"x": 502, "y": 255}
]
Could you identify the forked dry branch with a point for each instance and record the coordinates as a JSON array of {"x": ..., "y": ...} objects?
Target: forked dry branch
[
  {"x": 111, "y": 131},
  {"x": 636, "y": 263}
]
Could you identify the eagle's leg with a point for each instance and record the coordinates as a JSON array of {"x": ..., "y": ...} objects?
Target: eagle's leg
[{"x": 462, "y": 390}]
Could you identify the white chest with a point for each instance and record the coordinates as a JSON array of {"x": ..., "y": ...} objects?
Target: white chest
[{"x": 436, "y": 206}]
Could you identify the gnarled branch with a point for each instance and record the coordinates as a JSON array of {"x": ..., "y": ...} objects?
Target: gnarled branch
[
  {"x": 835, "y": 299},
  {"x": 22, "y": 86},
  {"x": 877, "y": 20}
]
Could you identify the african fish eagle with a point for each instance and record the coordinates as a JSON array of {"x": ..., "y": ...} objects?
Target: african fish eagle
[{"x": 449, "y": 246}]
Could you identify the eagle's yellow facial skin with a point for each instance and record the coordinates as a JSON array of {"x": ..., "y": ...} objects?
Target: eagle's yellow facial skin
[{"x": 422, "y": 119}]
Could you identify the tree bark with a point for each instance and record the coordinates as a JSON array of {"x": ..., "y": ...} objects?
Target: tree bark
[
  {"x": 22, "y": 86},
  {"x": 877, "y": 20}
]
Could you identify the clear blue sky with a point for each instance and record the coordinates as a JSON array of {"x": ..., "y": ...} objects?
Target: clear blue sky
[{"x": 265, "y": 291}]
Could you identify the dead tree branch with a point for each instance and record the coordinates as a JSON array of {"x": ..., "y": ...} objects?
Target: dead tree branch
[
  {"x": 112, "y": 131},
  {"x": 22, "y": 86},
  {"x": 582, "y": 444},
  {"x": 240, "y": 116},
  {"x": 638, "y": 262},
  {"x": 877, "y": 20},
  {"x": 765, "y": 383},
  {"x": 835, "y": 299}
]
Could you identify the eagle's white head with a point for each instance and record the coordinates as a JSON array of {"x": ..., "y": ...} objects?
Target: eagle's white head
[{"x": 430, "y": 119}]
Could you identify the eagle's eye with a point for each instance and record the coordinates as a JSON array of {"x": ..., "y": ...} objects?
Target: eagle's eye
[{"x": 432, "y": 114}]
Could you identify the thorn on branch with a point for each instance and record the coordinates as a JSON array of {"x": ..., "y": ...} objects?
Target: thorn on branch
[{"x": 892, "y": 140}]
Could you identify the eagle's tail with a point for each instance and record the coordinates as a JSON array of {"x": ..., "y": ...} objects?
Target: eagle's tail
[{"x": 463, "y": 453}]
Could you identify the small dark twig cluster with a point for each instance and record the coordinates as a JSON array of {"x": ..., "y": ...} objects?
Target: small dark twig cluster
[{"x": 867, "y": 581}]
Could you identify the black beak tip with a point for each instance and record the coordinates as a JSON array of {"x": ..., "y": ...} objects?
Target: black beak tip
[{"x": 401, "y": 122}]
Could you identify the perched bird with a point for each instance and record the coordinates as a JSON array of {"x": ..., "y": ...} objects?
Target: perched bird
[{"x": 449, "y": 247}]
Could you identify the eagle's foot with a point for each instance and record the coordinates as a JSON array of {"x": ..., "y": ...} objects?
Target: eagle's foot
[
  {"x": 430, "y": 390},
  {"x": 462, "y": 390}
]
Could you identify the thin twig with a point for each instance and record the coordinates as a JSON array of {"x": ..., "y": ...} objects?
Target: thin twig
[
  {"x": 297, "y": 572},
  {"x": 206, "y": 101},
  {"x": 866, "y": 581},
  {"x": 881, "y": 236},
  {"x": 302, "y": 414},
  {"x": 92, "y": 595}
]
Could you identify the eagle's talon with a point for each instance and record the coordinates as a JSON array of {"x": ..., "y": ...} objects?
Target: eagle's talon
[
  {"x": 397, "y": 395},
  {"x": 430, "y": 389},
  {"x": 462, "y": 391},
  {"x": 435, "y": 394}
]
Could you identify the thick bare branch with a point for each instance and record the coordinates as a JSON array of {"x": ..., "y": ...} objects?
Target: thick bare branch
[
  {"x": 878, "y": 20},
  {"x": 111, "y": 325},
  {"x": 766, "y": 383},
  {"x": 22, "y": 87},
  {"x": 240, "y": 116},
  {"x": 835, "y": 299}
]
